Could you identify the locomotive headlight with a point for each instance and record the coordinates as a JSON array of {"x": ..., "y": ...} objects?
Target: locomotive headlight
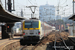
[
  {"x": 39, "y": 32},
  {"x": 23, "y": 33}
]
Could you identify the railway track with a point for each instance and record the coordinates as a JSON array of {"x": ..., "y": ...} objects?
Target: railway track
[
  {"x": 50, "y": 38},
  {"x": 55, "y": 46},
  {"x": 23, "y": 47},
  {"x": 26, "y": 47}
]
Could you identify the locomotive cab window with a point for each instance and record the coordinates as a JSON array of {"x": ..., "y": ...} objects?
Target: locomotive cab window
[
  {"x": 27, "y": 24},
  {"x": 31, "y": 24}
]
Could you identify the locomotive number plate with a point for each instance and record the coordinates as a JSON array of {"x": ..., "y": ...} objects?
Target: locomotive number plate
[{"x": 31, "y": 31}]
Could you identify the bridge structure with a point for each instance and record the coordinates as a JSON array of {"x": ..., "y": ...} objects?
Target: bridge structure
[{"x": 9, "y": 19}]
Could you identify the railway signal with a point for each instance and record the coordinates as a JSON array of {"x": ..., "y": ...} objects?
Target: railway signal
[{"x": 9, "y": 28}]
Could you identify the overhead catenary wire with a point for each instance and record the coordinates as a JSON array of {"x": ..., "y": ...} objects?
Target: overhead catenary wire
[
  {"x": 20, "y": 4},
  {"x": 64, "y": 7},
  {"x": 18, "y": 9},
  {"x": 59, "y": 7},
  {"x": 30, "y": 2},
  {"x": 36, "y": 2},
  {"x": 65, "y": 10},
  {"x": 64, "y": 3}
]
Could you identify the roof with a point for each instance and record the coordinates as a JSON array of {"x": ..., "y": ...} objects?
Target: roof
[
  {"x": 72, "y": 17},
  {"x": 6, "y": 16}
]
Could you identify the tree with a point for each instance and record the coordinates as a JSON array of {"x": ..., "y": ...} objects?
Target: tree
[{"x": 19, "y": 29}]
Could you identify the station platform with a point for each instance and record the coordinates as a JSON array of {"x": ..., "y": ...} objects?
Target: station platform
[{"x": 5, "y": 42}]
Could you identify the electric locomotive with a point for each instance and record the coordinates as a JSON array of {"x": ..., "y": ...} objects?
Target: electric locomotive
[{"x": 35, "y": 30}]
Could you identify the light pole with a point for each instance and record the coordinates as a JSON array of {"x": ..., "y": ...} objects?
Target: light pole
[
  {"x": 73, "y": 6},
  {"x": 43, "y": 23},
  {"x": 73, "y": 21},
  {"x": 59, "y": 11}
]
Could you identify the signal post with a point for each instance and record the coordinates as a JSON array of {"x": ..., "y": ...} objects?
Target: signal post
[{"x": 9, "y": 29}]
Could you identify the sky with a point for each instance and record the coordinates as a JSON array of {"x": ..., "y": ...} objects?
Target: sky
[{"x": 64, "y": 10}]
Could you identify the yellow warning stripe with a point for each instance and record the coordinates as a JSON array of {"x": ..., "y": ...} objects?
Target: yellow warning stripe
[{"x": 39, "y": 26}]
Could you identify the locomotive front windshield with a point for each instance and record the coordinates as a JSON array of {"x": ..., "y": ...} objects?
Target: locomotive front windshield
[{"x": 31, "y": 24}]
